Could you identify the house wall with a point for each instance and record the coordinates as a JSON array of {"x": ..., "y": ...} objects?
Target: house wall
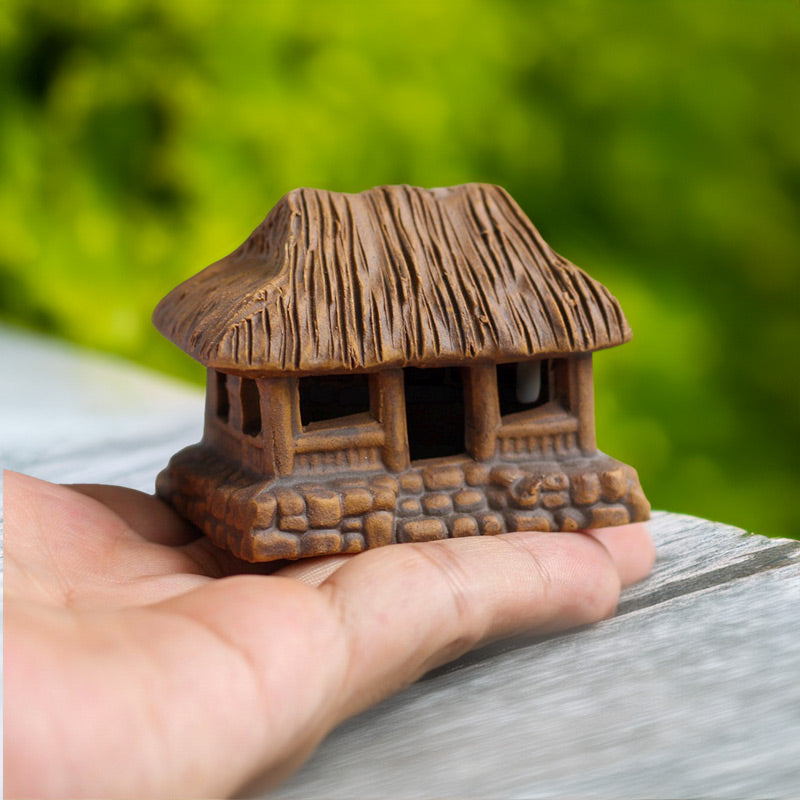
[
  {"x": 245, "y": 409},
  {"x": 258, "y": 423},
  {"x": 218, "y": 432},
  {"x": 279, "y": 445}
]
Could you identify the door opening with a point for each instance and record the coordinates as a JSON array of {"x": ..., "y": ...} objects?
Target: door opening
[{"x": 434, "y": 411}]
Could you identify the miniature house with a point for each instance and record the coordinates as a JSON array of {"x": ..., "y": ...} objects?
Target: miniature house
[{"x": 397, "y": 365}]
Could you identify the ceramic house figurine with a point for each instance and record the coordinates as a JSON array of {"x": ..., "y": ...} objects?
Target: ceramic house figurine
[{"x": 398, "y": 365}]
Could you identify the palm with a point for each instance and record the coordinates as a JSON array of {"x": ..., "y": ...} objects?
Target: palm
[{"x": 105, "y": 546}]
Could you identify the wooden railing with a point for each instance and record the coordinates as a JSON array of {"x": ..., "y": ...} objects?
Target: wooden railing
[
  {"x": 540, "y": 433},
  {"x": 347, "y": 443}
]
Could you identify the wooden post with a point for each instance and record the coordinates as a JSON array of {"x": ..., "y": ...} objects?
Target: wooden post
[
  {"x": 277, "y": 398},
  {"x": 388, "y": 406},
  {"x": 581, "y": 399},
  {"x": 482, "y": 410},
  {"x": 235, "y": 400}
]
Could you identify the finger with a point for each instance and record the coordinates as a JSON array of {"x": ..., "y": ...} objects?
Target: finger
[
  {"x": 409, "y": 608},
  {"x": 146, "y": 514},
  {"x": 314, "y": 571},
  {"x": 630, "y": 547}
]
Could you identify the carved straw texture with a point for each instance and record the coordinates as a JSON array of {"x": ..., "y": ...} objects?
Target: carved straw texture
[{"x": 396, "y": 275}]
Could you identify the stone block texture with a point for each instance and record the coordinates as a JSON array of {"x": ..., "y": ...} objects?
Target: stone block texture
[{"x": 431, "y": 500}]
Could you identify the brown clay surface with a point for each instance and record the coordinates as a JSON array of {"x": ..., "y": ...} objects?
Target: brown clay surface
[
  {"x": 443, "y": 498},
  {"x": 398, "y": 365}
]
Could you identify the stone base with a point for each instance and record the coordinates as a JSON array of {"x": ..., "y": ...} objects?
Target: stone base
[{"x": 289, "y": 519}]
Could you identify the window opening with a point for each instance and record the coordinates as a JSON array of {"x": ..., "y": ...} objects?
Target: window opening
[
  {"x": 522, "y": 386},
  {"x": 324, "y": 397},
  {"x": 223, "y": 401},
  {"x": 251, "y": 407},
  {"x": 435, "y": 412}
]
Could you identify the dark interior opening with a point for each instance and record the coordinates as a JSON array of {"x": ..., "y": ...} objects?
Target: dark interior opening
[
  {"x": 434, "y": 412},
  {"x": 251, "y": 407},
  {"x": 325, "y": 397},
  {"x": 509, "y": 388},
  {"x": 223, "y": 402}
]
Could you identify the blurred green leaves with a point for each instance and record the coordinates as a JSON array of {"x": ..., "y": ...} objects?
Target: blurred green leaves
[{"x": 656, "y": 143}]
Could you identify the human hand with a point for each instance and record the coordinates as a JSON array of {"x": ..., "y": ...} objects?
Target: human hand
[{"x": 140, "y": 662}]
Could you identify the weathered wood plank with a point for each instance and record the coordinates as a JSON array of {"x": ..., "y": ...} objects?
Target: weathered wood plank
[{"x": 73, "y": 416}]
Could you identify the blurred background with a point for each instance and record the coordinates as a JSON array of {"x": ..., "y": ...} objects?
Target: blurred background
[{"x": 656, "y": 144}]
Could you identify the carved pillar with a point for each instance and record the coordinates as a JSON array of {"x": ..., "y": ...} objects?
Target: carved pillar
[
  {"x": 581, "y": 399},
  {"x": 388, "y": 406},
  {"x": 482, "y": 409},
  {"x": 278, "y": 401},
  {"x": 235, "y": 400}
]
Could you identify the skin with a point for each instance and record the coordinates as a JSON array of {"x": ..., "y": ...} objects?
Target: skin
[{"x": 142, "y": 661}]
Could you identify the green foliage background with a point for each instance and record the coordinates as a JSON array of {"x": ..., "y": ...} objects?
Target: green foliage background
[{"x": 656, "y": 144}]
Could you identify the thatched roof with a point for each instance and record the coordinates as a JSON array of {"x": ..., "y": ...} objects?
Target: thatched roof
[{"x": 396, "y": 275}]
